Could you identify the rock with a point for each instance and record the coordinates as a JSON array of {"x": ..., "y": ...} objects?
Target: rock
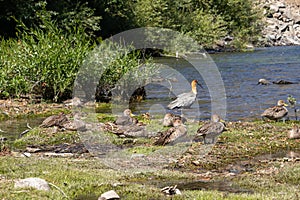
[
  {"x": 63, "y": 155},
  {"x": 37, "y": 183},
  {"x": 263, "y": 81},
  {"x": 280, "y": 17},
  {"x": 284, "y": 27},
  {"x": 277, "y": 15},
  {"x": 32, "y": 150},
  {"x": 109, "y": 195},
  {"x": 282, "y": 82},
  {"x": 274, "y": 8},
  {"x": 171, "y": 190}
]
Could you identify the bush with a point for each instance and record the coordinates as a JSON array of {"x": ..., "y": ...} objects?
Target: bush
[
  {"x": 113, "y": 68},
  {"x": 45, "y": 61},
  {"x": 206, "y": 21},
  {"x": 42, "y": 61}
]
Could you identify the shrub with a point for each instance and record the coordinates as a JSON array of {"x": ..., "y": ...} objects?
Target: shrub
[{"x": 43, "y": 61}]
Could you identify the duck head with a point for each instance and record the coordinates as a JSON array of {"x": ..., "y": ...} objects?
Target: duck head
[{"x": 281, "y": 103}]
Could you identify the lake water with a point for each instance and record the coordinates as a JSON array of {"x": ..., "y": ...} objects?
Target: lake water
[{"x": 240, "y": 72}]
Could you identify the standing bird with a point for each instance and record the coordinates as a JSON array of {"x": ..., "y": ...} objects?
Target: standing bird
[
  {"x": 177, "y": 131},
  {"x": 126, "y": 119},
  {"x": 294, "y": 133},
  {"x": 185, "y": 100},
  {"x": 277, "y": 112},
  {"x": 211, "y": 130}
]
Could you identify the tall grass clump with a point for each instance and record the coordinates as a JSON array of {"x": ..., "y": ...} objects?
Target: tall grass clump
[
  {"x": 42, "y": 60},
  {"x": 45, "y": 59},
  {"x": 113, "y": 69}
]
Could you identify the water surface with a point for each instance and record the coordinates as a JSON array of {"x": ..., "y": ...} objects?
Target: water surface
[{"x": 240, "y": 72}]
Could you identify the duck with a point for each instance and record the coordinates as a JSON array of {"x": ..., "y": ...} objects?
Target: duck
[
  {"x": 126, "y": 118},
  {"x": 185, "y": 100},
  {"x": 294, "y": 133},
  {"x": 277, "y": 112},
  {"x": 55, "y": 120},
  {"x": 172, "y": 134},
  {"x": 169, "y": 119},
  {"x": 211, "y": 130}
]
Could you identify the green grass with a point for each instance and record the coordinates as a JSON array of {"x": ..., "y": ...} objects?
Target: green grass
[
  {"x": 246, "y": 140},
  {"x": 88, "y": 177},
  {"x": 43, "y": 137}
]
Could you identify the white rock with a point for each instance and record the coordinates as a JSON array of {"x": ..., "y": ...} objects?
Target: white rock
[
  {"x": 274, "y": 8},
  {"x": 37, "y": 183},
  {"x": 109, "y": 195}
]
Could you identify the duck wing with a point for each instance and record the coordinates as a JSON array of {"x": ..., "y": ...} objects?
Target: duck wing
[
  {"x": 123, "y": 120},
  {"x": 164, "y": 136},
  {"x": 275, "y": 112},
  {"x": 54, "y": 120},
  {"x": 212, "y": 129}
]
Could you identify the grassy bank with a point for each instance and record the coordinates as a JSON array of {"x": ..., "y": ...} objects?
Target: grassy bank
[{"x": 252, "y": 160}]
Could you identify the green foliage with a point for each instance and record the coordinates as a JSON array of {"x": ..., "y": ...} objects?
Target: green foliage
[
  {"x": 43, "y": 60},
  {"x": 112, "y": 65},
  {"x": 42, "y": 137},
  {"x": 206, "y": 21}
]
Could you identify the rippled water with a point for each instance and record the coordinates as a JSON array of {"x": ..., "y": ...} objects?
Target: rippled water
[{"x": 240, "y": 73}]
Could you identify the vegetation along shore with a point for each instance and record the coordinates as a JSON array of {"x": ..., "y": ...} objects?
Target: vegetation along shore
[{"x": 44, "y": 43}]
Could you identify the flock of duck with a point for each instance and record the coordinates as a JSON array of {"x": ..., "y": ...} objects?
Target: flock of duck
[
  {"x": 128, "y": 126},
  {"x": 210, "y": 130}
]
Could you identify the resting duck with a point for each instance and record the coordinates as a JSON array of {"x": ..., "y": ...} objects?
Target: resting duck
[
  {"x": 126, "y": 119},
  {"x": 211, "y": 130},
  {"x": 169, "y": 136},
  {"x": 169, "y": 119},
  {"x": 55, "y": 120},
  {"x": 277, "y": 112},
  {"x": 294, "y": 133}
]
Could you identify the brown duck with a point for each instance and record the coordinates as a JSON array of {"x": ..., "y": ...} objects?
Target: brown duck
[
  {"x": 277, "y": 112},
  {"x": 169, "y": 136},
  {"x": 294, "y": 133},
  {"x": 169, "y": 119},
  {"x": 210, "y": 130},
  {"x": 126, "y": 119},
  {"x": 55, "y": 120}
]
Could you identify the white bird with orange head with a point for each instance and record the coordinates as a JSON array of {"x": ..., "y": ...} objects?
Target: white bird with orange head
[{"x": 185, "y": 100}]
